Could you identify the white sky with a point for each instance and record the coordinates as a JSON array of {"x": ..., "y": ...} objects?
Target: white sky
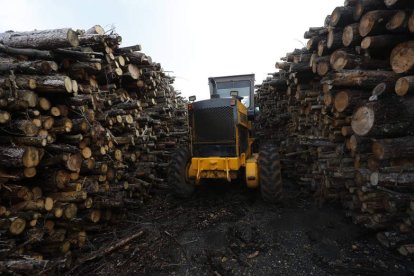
[{"x": 194, "y": 39}]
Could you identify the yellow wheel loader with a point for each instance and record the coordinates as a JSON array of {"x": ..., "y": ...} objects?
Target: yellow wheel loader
[{"x": 221, "y": 142}]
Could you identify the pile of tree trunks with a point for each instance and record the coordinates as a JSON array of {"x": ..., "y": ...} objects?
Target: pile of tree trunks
[
  {"x": 86, "y": 130},
  {"x": 347, "y": 103}
]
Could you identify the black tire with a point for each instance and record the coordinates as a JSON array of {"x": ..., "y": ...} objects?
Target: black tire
[
  {"x": 177, "y": 173},
  {"x": 270, "y": 174}
]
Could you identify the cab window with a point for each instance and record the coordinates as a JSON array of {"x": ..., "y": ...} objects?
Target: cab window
[{"x": 242, "y": 87}]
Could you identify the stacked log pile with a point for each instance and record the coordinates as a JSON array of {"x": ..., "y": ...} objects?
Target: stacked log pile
[
  {"x": 347, "y": 103},
  {"x": 86, "y": 129}
]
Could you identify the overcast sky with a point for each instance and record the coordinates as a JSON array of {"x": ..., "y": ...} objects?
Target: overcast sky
[{"x": 194, "y": 39}]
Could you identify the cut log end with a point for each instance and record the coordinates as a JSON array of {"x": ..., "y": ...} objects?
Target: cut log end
[
  {"x": 402, "y": 57},
  {"x": 411, "y": 23},
  {"x": 347, "y": 36},
  {"x": 4, "y": 117},
  {"x": 70, "y": 211},
  {"x": 44, "y": 104},
  {"x": 29, "y": 172},
  {"x": 322, "y": 68},
  {"x": 341, "y": 101},
  {"x": 48, "y": 205},
  {"x": 378, "y": 150},
  {"x": 17, "y": 226},
  {"x": 365, "y": 26},
  {"x": 362, "y": 120},
  {"x": 373, "y": 178},
  {"x": 86, "y": 152},
  {"x": 390, "y": 3},
  {"x": 396, "y": 21},
  {"x": 97, "y": 29},
  {"x": 366, "y": 43},
  {"x": 338, "y": 60},
  {"x": 31, "y": 157},
  {"x": 73, "y": 38},
  {"x": 68, "y": 85},
  {"x": 404, "y": 85},
  {"x": 335, "y": 16}
]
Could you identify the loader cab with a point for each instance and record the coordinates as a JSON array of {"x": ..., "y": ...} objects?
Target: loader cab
[
  {"x": 228, "y": 86},
  {"x": 221, "y": 126}
]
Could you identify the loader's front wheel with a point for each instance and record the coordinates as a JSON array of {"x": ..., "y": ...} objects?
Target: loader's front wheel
[
  {"x": 177, "y": 173},
  {"x": 270, "y": 174}
]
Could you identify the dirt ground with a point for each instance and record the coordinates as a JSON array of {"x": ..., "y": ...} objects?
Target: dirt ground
[{"x": 225, "y": 229}]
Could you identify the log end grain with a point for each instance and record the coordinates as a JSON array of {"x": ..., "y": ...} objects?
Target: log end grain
[
  {"x": 411, "y": 22},
  {"x": 365, "y": 25},
  {"x": 29, "y": 172},
  {"x": 347, "y": 36},
  {"x": 335, "y": 16},
  {"x": 31, "y": 157},
  {"x": 70, "y": 211},
  {"x": 48, "y": 205},
  {"x": 341, "y": 101},
  {"x": 44, "y": 103},
  {"x": 402, "y": 57},
  {"x": 17, "y": 226},
  {"x": 366, "y": 43},
  {"x": 363, "y": 120},
  {"x": 338, "y": 60},
  {"x": 73, "y": 38},
  {"x": 396, "y": 21},
  {"x": 97, "y": 29},
  {"x": 322, "y": 68},
  {"x": 4, "y": 117},
  {"x": 404, "y": 85},
  {"x": 378, "y": 150}
]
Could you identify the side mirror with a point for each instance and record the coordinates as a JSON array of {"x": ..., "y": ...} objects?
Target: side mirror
[
  {"x": 234, "y": 93},
  {"x": 192, "y": 98}
]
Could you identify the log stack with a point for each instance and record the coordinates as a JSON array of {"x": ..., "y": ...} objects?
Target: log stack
[
  {"x": 347, "y": 103},
  {"x": 86, "y": 129}
]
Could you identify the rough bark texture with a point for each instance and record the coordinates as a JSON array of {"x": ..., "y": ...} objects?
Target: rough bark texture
[
  {"x": 45, "y": 39},
  {"x": 347, "y": 136},
  {"x": 86, "y": 130}
]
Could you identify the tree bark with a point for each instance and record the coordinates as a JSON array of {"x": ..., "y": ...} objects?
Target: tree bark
[
  {"x": 54, "y": 84},
  {"x": 341, "y": 16},
  {"x": 374, "y": 22},
  {"x": 359, "y": 78},
  {"x": 364, "y": 6},
  {"x": 394, "y": 148},
  {"x": 380, "y": 119},
  {"x": 28, "y": 67},
  {"x": 18, "y": 157},
  {"x": 347, "y": 100},
  {"x": 45, "y": 39}
]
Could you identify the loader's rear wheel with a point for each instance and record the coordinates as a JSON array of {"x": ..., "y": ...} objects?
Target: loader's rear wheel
[
  {"x": 177, "y": 173},
  {"x": 270, "y": 174}
]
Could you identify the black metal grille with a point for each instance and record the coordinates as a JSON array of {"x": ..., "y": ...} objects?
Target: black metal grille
[
  {"x": 214, "y": 124},
  {"x": 244, "y": 135}
]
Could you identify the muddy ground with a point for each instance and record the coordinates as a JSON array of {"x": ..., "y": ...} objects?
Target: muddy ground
[{"x": 228, "y": 230}]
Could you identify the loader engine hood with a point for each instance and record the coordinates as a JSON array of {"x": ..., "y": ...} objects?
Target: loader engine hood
[{"x": 213, "y": 124}]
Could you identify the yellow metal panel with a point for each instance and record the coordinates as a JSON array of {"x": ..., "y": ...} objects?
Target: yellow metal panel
[
  {"x": 214, "y": 167},
  {"x": 242, "y": 115},
  {"x": 252, "y": 172}
]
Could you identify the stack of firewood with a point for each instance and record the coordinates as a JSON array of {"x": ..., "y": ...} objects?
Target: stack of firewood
[
  {"x": 86, "y": 129},
  {"x": 347, "y": 103}
]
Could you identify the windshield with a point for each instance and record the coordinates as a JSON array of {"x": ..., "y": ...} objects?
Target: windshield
[{"x": 242, "y": 87}]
